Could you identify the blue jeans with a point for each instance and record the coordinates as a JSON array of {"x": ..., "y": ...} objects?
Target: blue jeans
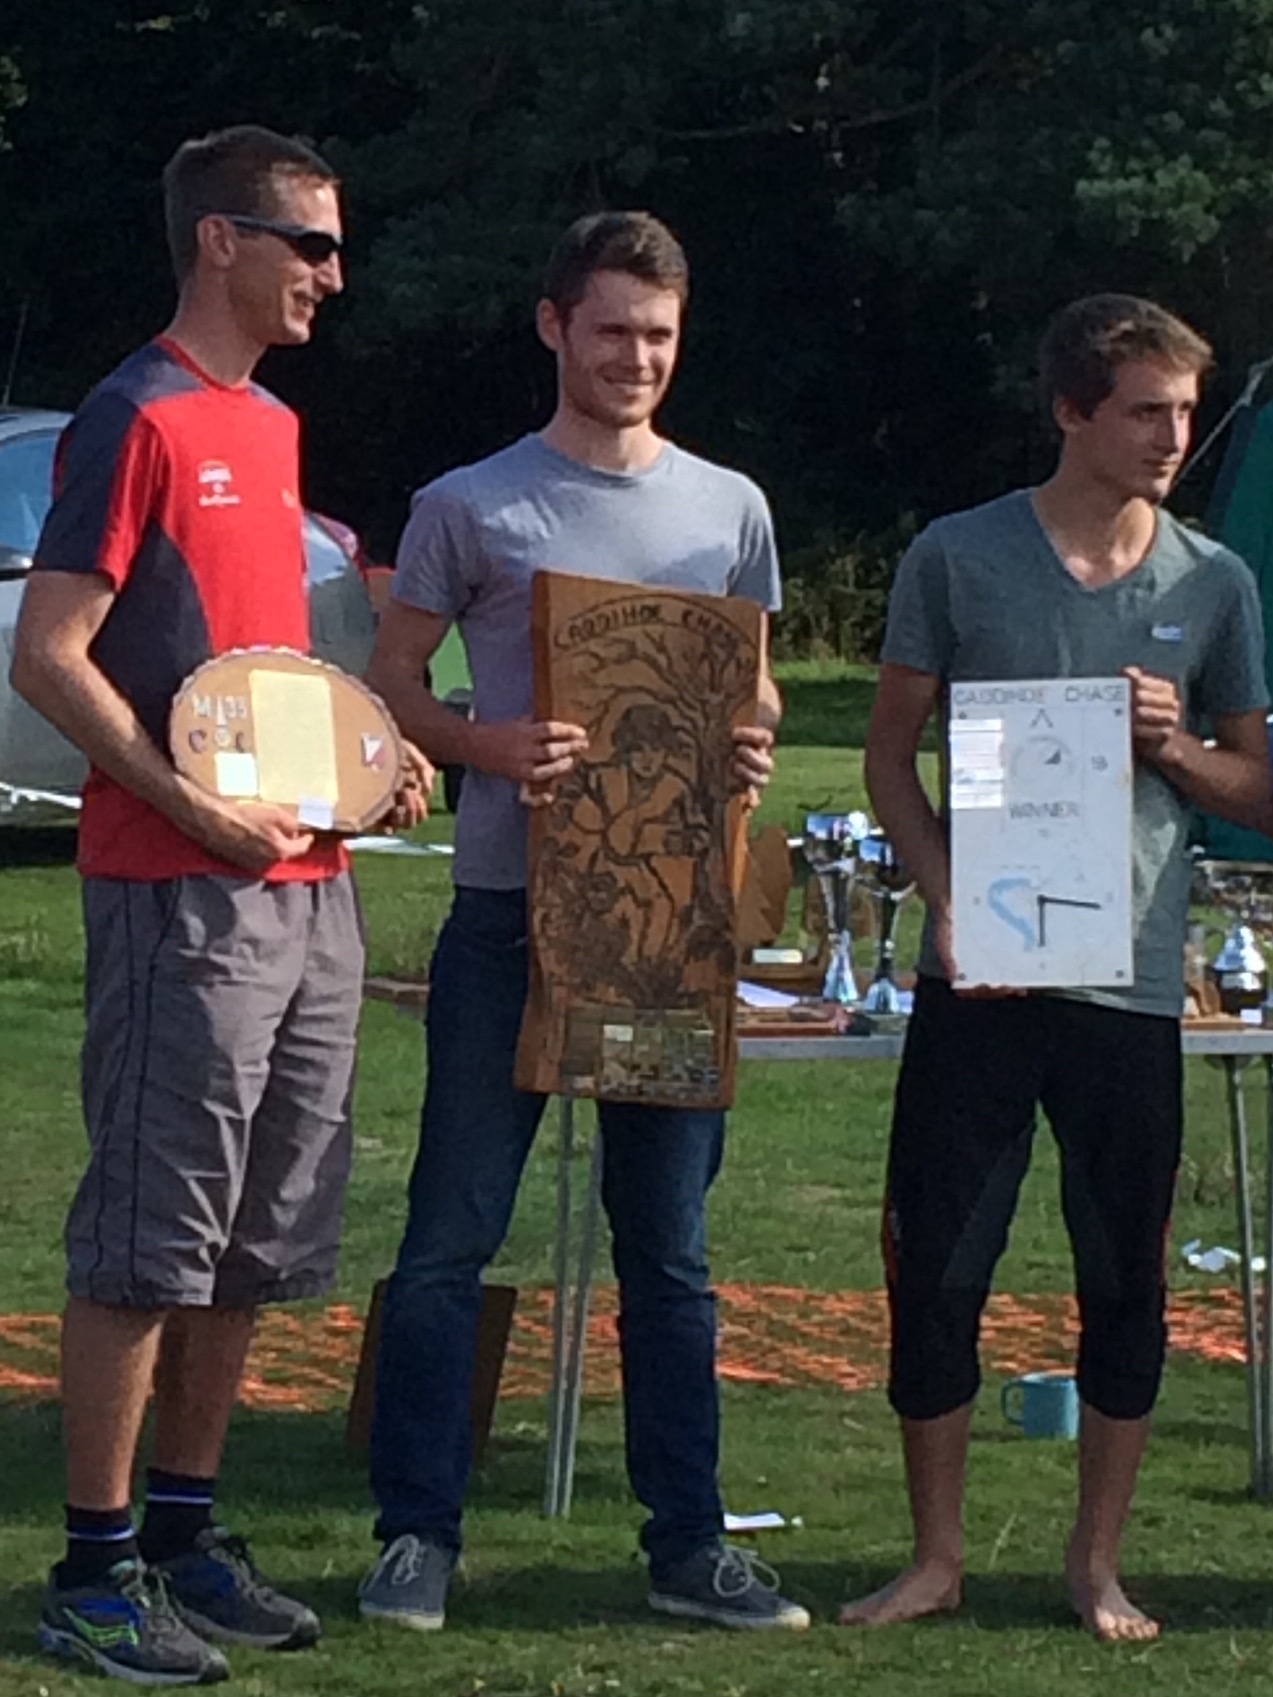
[{"x": 475, "y": 1135}]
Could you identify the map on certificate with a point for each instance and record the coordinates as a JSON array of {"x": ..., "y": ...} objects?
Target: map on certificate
[{"x": 1041, "y": 832}]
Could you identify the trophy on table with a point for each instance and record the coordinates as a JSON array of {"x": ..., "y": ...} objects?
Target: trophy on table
[
  {"x": 1243, "y": 890},
  {"x": 888, "y": 883},
  {"x": 831, "y": 845}
]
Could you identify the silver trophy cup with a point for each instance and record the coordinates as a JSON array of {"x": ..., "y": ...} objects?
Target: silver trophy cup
[
  {"x": 1243, "y": 890},
  {"x": 888, "y": 883},
  {"x": 831, "y": 843}
]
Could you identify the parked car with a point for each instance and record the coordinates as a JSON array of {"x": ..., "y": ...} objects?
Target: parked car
[
  {"x": 447, "y": 674},
  {"x": 40, "y": 772}
]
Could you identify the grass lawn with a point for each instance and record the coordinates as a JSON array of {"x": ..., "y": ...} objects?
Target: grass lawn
[{"x": 557, "y": 1609}]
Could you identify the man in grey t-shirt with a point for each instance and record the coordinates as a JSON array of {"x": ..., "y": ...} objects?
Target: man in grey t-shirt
[
  {"x": 596, "y": 492},
  {"x": 1085, "y": 576}
]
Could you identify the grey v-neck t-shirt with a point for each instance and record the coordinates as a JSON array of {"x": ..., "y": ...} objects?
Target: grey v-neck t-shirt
[
  {"x": 983, "y": 595},
  {"x": 477, "y": 536}
]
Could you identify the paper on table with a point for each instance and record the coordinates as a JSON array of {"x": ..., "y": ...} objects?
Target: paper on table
[
  {"x": 1216, "y": 1260},
  {"x": 295, "y": 735},
  {"x": 395, "y": 845},
  {"x": 761, "y": 996}
]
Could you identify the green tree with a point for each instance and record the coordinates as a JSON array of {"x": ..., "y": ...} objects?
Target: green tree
[{"x": 882, "y": 204}]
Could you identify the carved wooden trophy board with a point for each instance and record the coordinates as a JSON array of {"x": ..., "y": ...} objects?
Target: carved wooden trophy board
[{"x": 636, "y": 865}]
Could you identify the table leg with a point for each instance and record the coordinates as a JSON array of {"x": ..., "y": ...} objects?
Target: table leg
[
  {"x": 579, "y": 1328},
  {"x": 1246, "y": 1249},
  {"x": 561, "y": 1300}
]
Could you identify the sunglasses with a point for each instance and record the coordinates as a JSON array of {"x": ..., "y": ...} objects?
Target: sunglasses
[{"x": 315, "y": 247}]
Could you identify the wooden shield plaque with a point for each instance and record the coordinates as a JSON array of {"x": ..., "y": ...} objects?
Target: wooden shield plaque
[
  {"x": 636, "y": 865},
  {"x": 269, "y": 724}
]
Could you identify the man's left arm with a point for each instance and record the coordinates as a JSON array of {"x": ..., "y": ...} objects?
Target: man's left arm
[
  {"x": 1230, "y": 777},
  {"x": 757, "y": 576},
  {"x": 754, "y": 744}
]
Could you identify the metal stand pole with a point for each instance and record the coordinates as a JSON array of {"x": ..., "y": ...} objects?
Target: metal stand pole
[
  {"x": 1265, "y": 1489},
  {"x": 1255, "y": 1383},
  {"x": 579, "y": 1329},
  {"x": 570, "y": 1318}
]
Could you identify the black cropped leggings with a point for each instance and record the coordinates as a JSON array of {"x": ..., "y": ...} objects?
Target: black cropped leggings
[{"x": 973, "y": 1073}]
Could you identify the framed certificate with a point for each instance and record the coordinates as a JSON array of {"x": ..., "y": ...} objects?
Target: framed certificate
[
  {"x": 1040, "y": 798},
  {"x": 269, "y": 724}
]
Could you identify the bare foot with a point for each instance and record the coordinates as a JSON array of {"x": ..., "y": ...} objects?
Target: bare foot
[
  {"x": 927, "y": 1589},
  {"x": 1102, "y": 1607}
]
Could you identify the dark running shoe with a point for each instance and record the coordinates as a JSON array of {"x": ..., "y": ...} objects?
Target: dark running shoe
[
  {"x": 126, "y": 1626},
  {"x": 219, "y": 1592},
  {"x": 408, "y": 1584},
  {"x": 728, "y": 1587}
]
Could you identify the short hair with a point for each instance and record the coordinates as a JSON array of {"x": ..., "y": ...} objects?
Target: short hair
[
  {"x": 635, "y": 242},
  {"x": 236, "y": 171},
  {"x": 1088, "y": 340},
  {"x": 645, "y": 725}
]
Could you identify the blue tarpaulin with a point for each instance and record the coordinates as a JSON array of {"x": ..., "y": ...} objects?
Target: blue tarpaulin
[{"x": 1241, "y": 515}]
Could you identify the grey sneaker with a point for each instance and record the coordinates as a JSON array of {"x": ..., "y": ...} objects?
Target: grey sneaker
[
  {"x": 408, "y": 1584},
  {"x": 124, "y": 1625},
  {"x": 218, "y": 1591},
  {"x": 728, "y": 1587}
]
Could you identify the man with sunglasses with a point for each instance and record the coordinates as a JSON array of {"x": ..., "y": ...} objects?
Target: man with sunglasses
[
  {"x": 314, "y": 246},
  {"x": 224, "y": 951}
]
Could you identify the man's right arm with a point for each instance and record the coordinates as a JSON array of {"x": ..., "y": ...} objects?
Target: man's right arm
[
  {"x": 904, "y": 701},
  {"x": 534, "y": 752},
  {"x": 54, "y": 671}
]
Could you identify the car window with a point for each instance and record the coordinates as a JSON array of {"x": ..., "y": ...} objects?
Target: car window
[
  {"x": 26, "y": 488},
  {"x": 324, "y": 557}
]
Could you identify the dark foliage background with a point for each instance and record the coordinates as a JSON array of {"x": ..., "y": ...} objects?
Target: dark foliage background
[{"x": 882, "y": 202}]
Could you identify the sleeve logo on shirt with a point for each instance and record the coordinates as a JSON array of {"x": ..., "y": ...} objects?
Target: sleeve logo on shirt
[{"x": 216, "y": 485}]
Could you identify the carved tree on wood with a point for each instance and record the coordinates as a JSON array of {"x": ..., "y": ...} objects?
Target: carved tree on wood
[{"x": 635, "y": 866}]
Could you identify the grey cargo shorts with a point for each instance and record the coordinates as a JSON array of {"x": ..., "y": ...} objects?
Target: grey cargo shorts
[{"x": 221, "y": 1018}]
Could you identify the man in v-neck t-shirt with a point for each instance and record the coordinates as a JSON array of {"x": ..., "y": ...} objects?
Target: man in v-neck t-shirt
[
  {"x": 597, "y": 491},
  {"x": 1086, "y": 576}
]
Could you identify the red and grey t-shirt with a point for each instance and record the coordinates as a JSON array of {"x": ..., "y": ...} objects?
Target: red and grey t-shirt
[{"x": 183, "y": 492}]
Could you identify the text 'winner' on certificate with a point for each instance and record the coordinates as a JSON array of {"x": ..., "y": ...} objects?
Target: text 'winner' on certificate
[{"x": 1041, "y": 832}]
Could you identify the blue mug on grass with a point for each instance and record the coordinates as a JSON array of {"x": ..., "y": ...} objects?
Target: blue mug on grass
[{"x": 1043, "y": 1405}]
